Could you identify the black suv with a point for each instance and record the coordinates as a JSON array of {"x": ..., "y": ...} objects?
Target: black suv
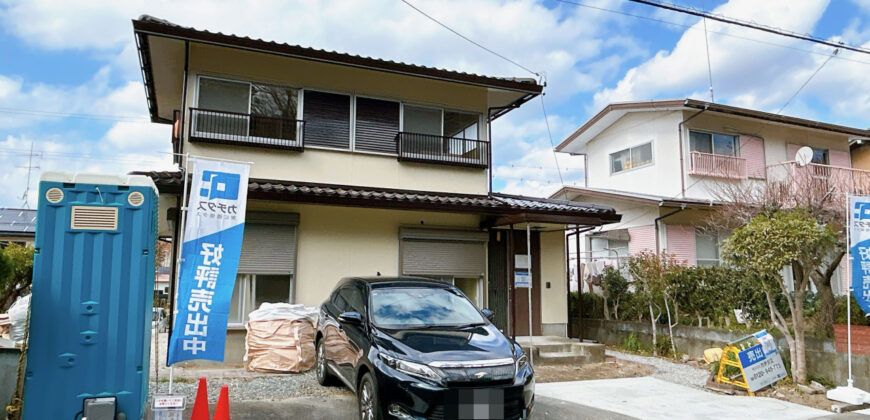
[{"x": 415, "y": 348}]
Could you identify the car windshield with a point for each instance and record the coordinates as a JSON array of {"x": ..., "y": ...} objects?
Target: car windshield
[{"x": 415, "y": 307}]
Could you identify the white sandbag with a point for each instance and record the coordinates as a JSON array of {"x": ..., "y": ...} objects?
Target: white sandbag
[
  {"x": 274, "y": 311},
  {"x": 18, "y": 315}
]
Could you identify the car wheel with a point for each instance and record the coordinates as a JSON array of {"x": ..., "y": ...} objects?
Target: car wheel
[
  {"x": 367, "y": 395},
  {"x": 324, "y": 376}
]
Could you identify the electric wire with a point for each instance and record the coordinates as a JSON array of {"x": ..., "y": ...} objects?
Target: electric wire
[
  {"x": 552, "y": 145},
  {"x": 56, "y": 114},
  {"x": 691, "y": 27},
  {"x": 807, "y": 81},
  {"x": 471, "y": 40},
  {"x": 751, "y": 25}
]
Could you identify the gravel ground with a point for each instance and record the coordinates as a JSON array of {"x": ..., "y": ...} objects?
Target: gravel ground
[
  {"x": 264, "y": 387},
  {"x": 666, "y": 370}
]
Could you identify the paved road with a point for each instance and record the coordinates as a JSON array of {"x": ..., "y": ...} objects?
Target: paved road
[{"x": 344, "y": 407}]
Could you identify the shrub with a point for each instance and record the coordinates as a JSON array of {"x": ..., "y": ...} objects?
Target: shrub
[
  {"x": 858, "y": 316},
  {"x": 663, "y": 346},
  {"x": 632, "y": 343}
]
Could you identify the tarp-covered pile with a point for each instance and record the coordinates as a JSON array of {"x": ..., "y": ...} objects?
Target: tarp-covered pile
[{"x": 280, "y": 338}]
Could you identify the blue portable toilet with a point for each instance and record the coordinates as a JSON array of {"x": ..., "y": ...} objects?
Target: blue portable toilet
[{"x": 93, "y": 281}]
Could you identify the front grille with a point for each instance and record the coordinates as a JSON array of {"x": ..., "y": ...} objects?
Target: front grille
[{"x": 478, "y": 375}]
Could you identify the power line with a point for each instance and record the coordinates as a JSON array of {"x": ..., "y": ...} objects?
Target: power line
[
  {"x": 471, "y": 41},
  {"x": 552, "y": 145},
  {"x": 751, "y": 25},
  {"x": 709, "y": 66},
  {"x": 691, "y": 27},
  {"x": 808, "y": 81},
  {"x": 42, "y": 113}
]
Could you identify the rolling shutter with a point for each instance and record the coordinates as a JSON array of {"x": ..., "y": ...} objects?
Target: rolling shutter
[
  {"x": 377, "y": 123},
  {"x": 327, "y": 119},
  {"x": 269, "y": 244},
  {"x": 439, "y": 252}
]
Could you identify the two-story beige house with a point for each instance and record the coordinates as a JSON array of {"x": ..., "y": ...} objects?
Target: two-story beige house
[
  {"x": 361, "y": 166},
  {"x": 663, "y": 165}
]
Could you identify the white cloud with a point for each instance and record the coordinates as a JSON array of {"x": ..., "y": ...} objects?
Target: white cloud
[{"x": 741, "y": 68}]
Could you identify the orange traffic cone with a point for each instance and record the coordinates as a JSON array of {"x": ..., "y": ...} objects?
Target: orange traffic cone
[
  {"x": 200, "y": 404},
  {"x": 222, "y": 411}
]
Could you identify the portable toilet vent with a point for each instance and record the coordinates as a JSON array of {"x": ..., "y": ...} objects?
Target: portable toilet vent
[{"x": 93, "y": 281}]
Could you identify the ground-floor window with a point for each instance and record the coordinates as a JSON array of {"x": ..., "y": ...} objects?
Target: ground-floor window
[
  {"x": 252, "y": 290},
  {"x": 706, "y": 249}
]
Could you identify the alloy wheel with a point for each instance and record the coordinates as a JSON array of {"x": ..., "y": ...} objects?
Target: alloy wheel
[
  {"x": 366, "y": 400},
  {"x": 321, "y": 364}
]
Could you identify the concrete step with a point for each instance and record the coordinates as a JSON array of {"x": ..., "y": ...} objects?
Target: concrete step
[
  {"x": 559, "y": 358},
  {"x": 573, "y": 352}
]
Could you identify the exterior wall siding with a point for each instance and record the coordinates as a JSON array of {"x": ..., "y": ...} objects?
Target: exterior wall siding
[
  {"x": 681, "y": 242},
  {"x": 752, "y": 149},
  {"x": 641, "y": 238},
  {"x": 554, "y": 304}
]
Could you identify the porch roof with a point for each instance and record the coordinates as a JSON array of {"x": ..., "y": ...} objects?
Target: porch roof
[
  {"x": 502, "y": 209},
  {"x": 661, "y": 201}
]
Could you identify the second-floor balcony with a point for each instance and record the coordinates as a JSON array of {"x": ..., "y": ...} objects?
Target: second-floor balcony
[
  {"x": 821, "y": 179},
  {"x": 430, "y": 148},
  {"x": 718, "y": 166},
  {"x": 242, "y": 129}
]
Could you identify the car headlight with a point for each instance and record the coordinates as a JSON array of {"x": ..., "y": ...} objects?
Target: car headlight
[
  {"x": 414, "y": 369},
  {"x": 522, "y": 361}
]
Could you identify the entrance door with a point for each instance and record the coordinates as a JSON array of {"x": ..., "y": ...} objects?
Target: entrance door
[{"x": 521, "y": 295}]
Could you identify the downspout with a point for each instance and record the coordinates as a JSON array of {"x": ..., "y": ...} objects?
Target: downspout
[
  {"x": 660, "y": 218},
  {"x": 682, "y": 161},
  {"x": 183, "y": 105}
]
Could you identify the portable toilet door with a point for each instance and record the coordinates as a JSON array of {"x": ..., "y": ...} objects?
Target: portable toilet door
[{"x": 93, "y": 276}]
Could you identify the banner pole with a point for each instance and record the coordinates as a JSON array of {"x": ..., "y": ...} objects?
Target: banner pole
[
  {"x": 183, "y": 221},
  {"x": 849, "y": 381}
]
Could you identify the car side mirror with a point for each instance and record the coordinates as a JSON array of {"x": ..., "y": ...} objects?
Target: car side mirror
[
  {"x": 487, "y": 313},
  {"x": 350, "y": 317}
]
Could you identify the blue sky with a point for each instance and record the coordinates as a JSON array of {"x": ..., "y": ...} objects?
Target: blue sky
[{"x": 70, "y": 82}]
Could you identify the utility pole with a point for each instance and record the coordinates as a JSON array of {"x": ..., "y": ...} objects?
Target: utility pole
[{"x": 30, "y": 169}]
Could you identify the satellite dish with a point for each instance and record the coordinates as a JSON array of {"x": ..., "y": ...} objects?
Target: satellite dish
[{"x": 804, "y": 156}]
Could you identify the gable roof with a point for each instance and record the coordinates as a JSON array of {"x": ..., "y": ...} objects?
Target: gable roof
[
  {"x": 611, "y": 113},
  {"x": 146, "y": 26}
]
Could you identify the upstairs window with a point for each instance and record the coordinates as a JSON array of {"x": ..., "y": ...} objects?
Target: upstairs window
[
  {"x": 633, "y": 157},
  {"x": 244, "y": 109},
  {"x": 820, "y": 156},
  {"x": 377, "y": 123},
  {"x": 717, "y": 144},
  {"x": 327, "y": 119}
]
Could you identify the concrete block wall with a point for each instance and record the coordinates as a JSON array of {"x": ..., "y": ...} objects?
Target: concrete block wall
[{"x": 823, "y": 359}]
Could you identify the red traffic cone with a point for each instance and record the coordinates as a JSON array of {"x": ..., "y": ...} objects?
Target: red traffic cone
[
  {"x": 222, "y": 411},
  {"x": 200, "y": 404}
]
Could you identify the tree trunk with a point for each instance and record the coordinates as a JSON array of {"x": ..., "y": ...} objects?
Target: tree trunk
[
  {"x": 606, "y": 309},
  {"x": 652, "y": 320},
  {"x": 825, "y": 314},
  {"x": 700, "y": 320},
  {"x": 670, "y": 327}
]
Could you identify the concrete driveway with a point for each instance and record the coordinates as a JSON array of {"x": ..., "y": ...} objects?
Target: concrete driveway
[
  {"x": 651, "y": 398},
  {"x": 344, "y": 407}
]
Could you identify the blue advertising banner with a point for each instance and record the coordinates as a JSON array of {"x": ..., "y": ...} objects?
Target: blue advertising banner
[
  {"x": 859, "y": 249},
  {"x": 210, "y": 258}
]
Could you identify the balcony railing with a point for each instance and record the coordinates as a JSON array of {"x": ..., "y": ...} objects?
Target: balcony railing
[
  {"x": 719, "y": 166},
  {"x": 235, "y": 128},
  {"x": 429, "y": 148},
  {"x": 814, "y": 178}
]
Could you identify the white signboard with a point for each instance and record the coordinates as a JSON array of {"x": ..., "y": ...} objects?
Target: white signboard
[
  {"x": 762, "y": 364},
  {"x": 168, "y": 407},
  {"x": 522, "y": 279}
]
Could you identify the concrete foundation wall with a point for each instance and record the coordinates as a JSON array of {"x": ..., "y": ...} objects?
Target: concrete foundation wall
[{"x": 823, "y": 360}]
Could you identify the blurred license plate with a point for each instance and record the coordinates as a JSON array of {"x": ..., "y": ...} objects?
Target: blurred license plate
[{"x": 475, "y": 404}]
